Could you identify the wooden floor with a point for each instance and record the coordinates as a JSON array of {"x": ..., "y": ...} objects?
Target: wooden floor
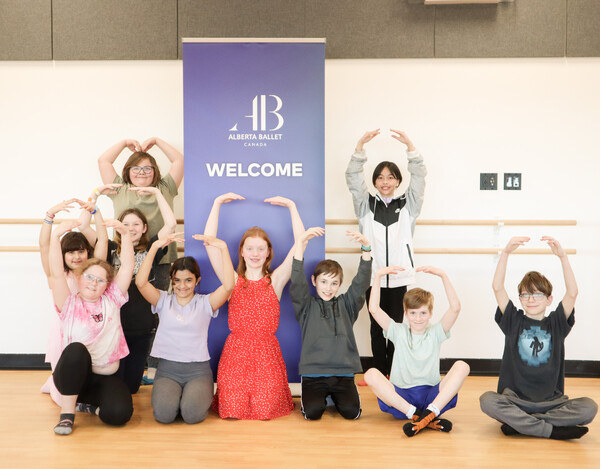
[{"x": 375, "y": 440}]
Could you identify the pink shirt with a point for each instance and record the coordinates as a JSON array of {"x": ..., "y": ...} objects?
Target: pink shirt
[{"x": 96, "y": 325}]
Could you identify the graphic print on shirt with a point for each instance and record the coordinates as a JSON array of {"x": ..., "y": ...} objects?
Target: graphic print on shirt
[{"x": 535, "y": 346}]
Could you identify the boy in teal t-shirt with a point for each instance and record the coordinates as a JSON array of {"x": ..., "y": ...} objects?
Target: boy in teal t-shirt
[{"x": 415, "y": 390}]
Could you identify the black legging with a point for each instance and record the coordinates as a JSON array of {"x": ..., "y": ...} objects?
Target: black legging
[
  {"x": 73, "y": 376},
  {"x": 131, "y": 368},
  {"x": 390, "y": 300}
]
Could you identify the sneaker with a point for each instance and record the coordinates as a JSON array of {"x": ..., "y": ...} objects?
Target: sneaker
[{"x": 146, "y": 381}]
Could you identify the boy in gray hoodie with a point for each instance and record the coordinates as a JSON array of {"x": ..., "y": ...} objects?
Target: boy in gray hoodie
[{"x": 329, "y": 357}]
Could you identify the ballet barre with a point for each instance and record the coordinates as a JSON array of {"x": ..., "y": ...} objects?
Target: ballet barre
[
  {"x": 493, "y": 251},
  {"x": 354, "y": 221},
  {"x": 490, "y": 222}
]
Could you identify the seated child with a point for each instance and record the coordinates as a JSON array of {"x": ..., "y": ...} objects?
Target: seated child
[
  {"x": 415, "y": 390},
  {"x": 530, "y": 398},
  {"x": 329, "y": 355}
]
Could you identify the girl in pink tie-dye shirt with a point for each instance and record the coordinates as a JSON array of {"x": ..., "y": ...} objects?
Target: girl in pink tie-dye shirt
[{"x": 91, "y": 333}]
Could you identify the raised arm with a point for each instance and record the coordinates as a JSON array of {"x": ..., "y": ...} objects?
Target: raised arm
[
  {"x": 57, "y": 280},
  {"x": 46, "y": 230},
  {"x": 149, "y": 291},
  {"x": 174, "y": 156},
  {"x": 107, "y": 159},
  {"x": 221, "y": 294},
  {"x": 366, "y": 137},
  {"x": 299, "y": 289},
  {"x": 127, "y": 256},
  {"x": 360, "y": 282},
  {"x": 451, "y": 315},
  {"x": 304, "y": 238},
  {"x": 211, "y": 228},
  {"x": 379, "y": 314},
  {"x": 97, "y": 238},
  {"x": 281, "y": 274},
  {"x": 365, "y": 245},
  {"x": 500, "y": 273},
  {"x": 101, "y": 246},
  {"x": 355, "y": 177},
  {"x": 568, "y": 300},
  {"x": 170, "y": 222},
  {"x": 415, "y": 193}
]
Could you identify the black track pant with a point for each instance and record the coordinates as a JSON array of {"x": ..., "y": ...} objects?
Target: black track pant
[{"x": 342, "y": 390}]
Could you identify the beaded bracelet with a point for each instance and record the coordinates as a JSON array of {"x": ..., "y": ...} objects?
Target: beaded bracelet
[
  {"x": 95, "y": 210},
  {"x": 365, "y": 249},
  {"x": 50, "y": 222},
  {"x": 96, "y": 191}
]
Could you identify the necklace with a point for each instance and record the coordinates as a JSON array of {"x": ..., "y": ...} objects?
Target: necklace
[{"x": 416, "y": 343}]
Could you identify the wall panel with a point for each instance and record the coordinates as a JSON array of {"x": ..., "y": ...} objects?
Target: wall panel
[
  {"x": 371, "y": 28},
  {"x": 25, "y": 30},
  {"x": 524, "y": 28},
  {"x": 241, "y": 18},
  {"x": 583, "y": 28},
  {"x": 114, "y": 29}
]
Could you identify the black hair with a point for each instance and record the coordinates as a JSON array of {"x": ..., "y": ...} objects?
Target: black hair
[
  {"x": 75, "y": 241},
  {"x": 393, "y": 167}
]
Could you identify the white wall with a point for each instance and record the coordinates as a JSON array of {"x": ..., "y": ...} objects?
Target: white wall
[{"x": 533, "y": 116}]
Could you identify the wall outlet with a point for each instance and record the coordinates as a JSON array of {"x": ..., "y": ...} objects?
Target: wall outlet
[
  {"x": 488, "y": 181},
  {"x": 512, "y": 181}
]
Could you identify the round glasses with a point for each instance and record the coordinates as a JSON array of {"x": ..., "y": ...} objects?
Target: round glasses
[{"x": 92, "y": 278}]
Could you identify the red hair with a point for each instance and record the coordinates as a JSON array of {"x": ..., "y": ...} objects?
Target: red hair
[{"x": 255, "y": 232}]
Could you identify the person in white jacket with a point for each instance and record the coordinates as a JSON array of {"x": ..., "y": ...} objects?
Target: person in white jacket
[{"x": 388, "y": 220}]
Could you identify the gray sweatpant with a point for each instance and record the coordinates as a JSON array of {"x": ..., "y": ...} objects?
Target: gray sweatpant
[
  {"x": 537, "y": 418},
  {"x": 185, "y": 388}
]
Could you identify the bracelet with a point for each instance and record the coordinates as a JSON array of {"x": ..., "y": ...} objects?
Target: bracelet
[
  {"x": 50, "y": 216},
  {"x": 95, "y": 210},
  {"x": 96, "y": 191},
  {"x": 50, "y": 222},
  {"x": 365, "y": 249}
]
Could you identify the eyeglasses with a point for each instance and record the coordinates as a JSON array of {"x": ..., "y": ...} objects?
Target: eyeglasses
[
  {"x": 142, "y": 169},
  {"x": 91, "y": 278},
  {"x": 535, "y": 296}
]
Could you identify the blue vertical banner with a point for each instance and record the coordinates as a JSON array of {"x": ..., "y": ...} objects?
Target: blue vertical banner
[{"x": 254, "y": 125}]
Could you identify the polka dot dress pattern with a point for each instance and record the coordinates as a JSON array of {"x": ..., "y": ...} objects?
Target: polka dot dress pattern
[{"x": 252, "y": 379}]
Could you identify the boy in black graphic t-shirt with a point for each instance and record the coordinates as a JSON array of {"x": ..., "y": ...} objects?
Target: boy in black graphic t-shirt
[{"x": 530, "y": 398}]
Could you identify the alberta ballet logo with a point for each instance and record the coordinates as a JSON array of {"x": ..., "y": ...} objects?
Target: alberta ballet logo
[
  {"x": 265, "y": 112},
  {"x": 266, "y": 119}
]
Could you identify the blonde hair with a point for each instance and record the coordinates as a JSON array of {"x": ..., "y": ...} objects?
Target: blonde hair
[{"x": 416, "y": 298}]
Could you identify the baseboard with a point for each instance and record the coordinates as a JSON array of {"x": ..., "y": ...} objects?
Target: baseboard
[
  {"x": 23, "y": 361},
  {"x": 491, "y": 367},
  {"x": 479, "y": 366}
]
